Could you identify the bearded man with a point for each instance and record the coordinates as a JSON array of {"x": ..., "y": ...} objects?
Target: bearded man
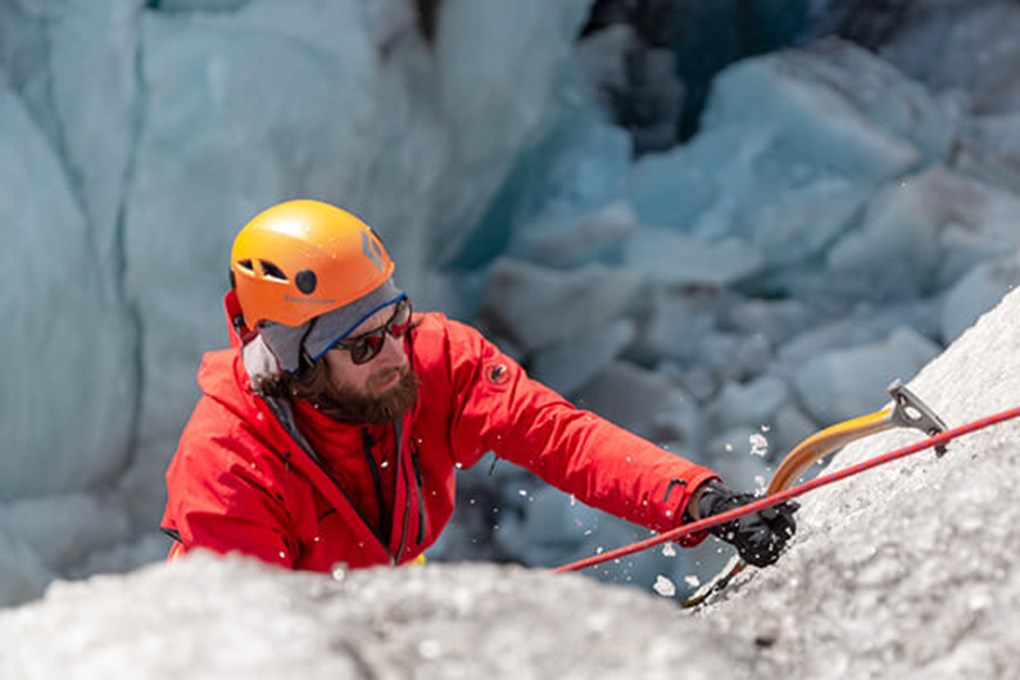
[{"x": 331, "y": 430}]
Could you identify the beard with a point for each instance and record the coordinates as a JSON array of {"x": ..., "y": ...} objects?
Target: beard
[{"x": 349, "y": 405}]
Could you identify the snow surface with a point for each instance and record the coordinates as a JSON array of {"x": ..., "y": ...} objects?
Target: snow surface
[{"x": 907, "y": 570}]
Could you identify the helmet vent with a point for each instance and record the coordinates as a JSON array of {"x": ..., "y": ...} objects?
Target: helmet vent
[
  {"x": 245, "y": 265},
  {"x": 271, "y": 271}
]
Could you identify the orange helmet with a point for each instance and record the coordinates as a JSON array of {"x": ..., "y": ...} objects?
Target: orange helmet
[{"x": 300, "y": 259}]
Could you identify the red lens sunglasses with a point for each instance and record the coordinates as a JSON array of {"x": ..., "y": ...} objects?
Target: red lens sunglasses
[{"x": 366, "y": 346}]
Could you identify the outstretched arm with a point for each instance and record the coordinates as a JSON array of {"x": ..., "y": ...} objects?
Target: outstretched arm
[{"x": 499, "y": 408}]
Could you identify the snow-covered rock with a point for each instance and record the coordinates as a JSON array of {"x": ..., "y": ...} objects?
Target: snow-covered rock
[{"x": 235, "y": 618}]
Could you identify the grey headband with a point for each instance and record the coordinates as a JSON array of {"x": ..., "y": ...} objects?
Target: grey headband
[{"x": 317, "y": 336}]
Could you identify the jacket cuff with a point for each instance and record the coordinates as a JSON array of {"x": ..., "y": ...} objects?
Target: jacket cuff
[{"x": 693, "y": 486}]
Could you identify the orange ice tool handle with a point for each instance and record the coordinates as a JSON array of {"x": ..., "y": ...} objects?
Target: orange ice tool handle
[{"x": 907, "y": 410}]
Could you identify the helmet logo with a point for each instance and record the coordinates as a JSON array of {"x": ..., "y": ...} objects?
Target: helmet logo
[{"x": 372, "y": 250}]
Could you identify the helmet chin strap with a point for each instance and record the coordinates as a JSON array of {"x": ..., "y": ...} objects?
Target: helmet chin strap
[{"x": 304, "y": 336}]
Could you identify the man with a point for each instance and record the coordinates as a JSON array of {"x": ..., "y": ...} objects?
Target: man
[{"x": 330, "y": 432}]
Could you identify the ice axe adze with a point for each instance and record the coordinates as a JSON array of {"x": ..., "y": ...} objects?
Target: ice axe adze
[{"x": 907, "y": 410}]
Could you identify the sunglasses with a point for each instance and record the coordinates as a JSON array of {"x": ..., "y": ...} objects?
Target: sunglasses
[{"x": 365, "y": 347}]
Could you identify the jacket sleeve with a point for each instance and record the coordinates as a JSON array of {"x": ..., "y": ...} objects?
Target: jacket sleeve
[
  {"x": 220, "y": 494},
  {"x": 498, "y": 407}
]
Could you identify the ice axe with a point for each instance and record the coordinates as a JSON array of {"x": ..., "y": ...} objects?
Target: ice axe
[{"x": 907, "y": 410}]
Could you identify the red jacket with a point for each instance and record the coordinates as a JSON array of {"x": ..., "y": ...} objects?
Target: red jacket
[{"x": 239, "y": 481}]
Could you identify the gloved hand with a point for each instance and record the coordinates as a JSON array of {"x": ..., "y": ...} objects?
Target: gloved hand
[{"x": 758, "y": 537}]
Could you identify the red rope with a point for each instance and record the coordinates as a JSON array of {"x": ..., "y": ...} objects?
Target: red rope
[{"x": 792, "y": 492}]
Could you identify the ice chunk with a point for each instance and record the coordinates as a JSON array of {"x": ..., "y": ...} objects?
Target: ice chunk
[
  {"x": 574, "y": 241},
  {"x": 199, "y": 5},
  {"x": 645, "y": 403},
  {"x": 678, "y": 260},
  {"x": 777, "y": 320},
  {"x": 845, "y": 383},
  {"x": 567, "y": 367},
  {"x": 923, "y": 233},
  {"x": 753, "y": 403},
  {"x": 838, "y": 102},
  {"x": 538, "y": 307},
  {"x": 733, "y": 356},
  {"x": 664, "y": 586},
  {"x": 864, "y": 325},
  {"x": 602, "y": 57},
  {"x": 678, "y": 321},
  {"x": 148, "y": 547},
  {"x": 978, "y": 292},
  {"x": 733, "y": 442},
  {"x": 799, "y": 224},
  {"x": 673, "y": 189},
  {"x": 759, "y": 445},
  {"x": 551, "y": 530}
]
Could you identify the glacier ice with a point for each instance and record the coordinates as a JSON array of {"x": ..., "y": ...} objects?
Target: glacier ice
[{"x": 70, "y": 387}]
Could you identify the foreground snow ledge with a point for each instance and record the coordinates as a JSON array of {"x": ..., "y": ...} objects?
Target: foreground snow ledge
[{"x": 232, "y": 618}]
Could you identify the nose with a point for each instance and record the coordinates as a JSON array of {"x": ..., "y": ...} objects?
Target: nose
[{"x": 392, "y": 354}]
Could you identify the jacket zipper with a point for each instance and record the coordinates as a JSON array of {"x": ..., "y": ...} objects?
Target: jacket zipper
[
  {"x": 420, "y": 489},
  {"x": 385, "y": 525},
  {"x": 402, "y": 471}
]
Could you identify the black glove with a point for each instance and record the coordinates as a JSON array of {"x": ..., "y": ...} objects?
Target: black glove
[{"x": 758, "y": 537}]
